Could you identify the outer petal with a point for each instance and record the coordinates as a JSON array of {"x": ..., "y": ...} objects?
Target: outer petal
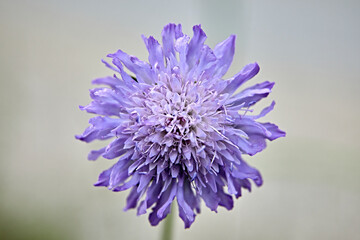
[
  {"x": 205, "y": 67},
  {"x": 252, "y": 95},
  {"x": 151, "y": 197},
  {"x": 186, "y": 211},
  {"x": 128, "y": 81},
  {"x": 106, "y": 102},
  {"x": 95, "y": 154},
  {"x": 210, "y": 198},
  {"x": 244, "y": 171},
  {"x": 134, "y": 180},
  {"x": 265, "y": 130},
  {"x": 181, "y": 46},
  {"x": 104, "y": 177},
  {"x": 162, "y": 208},
  {"x": 118, "y": 174},
  {"x": 132, "y": 199},
  {"x": 115, "y": 148},
  {"x": 226, "y": 200},
  {"x": 195, "y": 46},
  {"x": 170, "y": 33},
  {"x": 265, "y": 111},
  {"x": 100, "y": 128},
  {"x": 248, "y": 72},
  {"x": 241, "y": 183},
  {"x": 275, "y": 131},
  {"x": 156, "y": 57},
  {"x": 154, "y": 219},
  {"x": 224, "y": 52},
  {"x": 143, "y": 71},
  {"x": 111, "y": 81},
  {"x": 251, "y": 146}
]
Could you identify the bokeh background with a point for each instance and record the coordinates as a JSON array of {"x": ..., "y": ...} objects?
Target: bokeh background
[{"x": 51, "y": 50}]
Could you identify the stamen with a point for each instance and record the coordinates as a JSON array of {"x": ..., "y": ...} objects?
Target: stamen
[
  {"x": 213, "y": 158},
  {"x": 149, "y": 148}
]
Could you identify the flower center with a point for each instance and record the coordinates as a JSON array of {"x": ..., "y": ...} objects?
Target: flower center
[{"x": 175, "y": 122}]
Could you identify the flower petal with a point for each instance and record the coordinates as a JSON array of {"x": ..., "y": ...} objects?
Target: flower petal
[
  {"x": 210, "y": 198},
  {"x": 226, "y": 200},
  {"x": 265, "y": 111},
  {"x": 143, "y": 71},
  {"x": 275, "y": 131},
  {"x": 195, "y": 46},
  {"x": 104, "y": 178},
  {"x": 224, "y": 52},
  {"x": 162, "y": 208},
  {"x": 244, "y": 171},
  {"x": 170, "y": 33},
  {"x": 95, "y": 154},
  {"x": 111, "y": 81},
  {"x": 248, "y": 72},
  {"x": 251, "y": 95},
  {"x": 186, "y": 212},
  {"x": 181, "y": 46},
  {"x": 156, "y": 57},
  {"x": 100, "y": 128},
  {"x": 132, "y": 199}
]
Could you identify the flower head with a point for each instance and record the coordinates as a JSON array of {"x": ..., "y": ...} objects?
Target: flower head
[{"x": 179, "y": 130}]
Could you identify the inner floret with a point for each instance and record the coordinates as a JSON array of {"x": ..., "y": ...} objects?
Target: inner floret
[{"x": 176, "y": 128}]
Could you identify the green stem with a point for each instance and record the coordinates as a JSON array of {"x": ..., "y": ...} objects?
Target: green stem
[{"x": 168, "y": 227}]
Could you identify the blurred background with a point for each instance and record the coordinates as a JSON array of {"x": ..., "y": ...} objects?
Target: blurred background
[{"x": 51, "y": 50}]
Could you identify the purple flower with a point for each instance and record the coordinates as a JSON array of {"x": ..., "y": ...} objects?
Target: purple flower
[{"x": 177, "y": 128}]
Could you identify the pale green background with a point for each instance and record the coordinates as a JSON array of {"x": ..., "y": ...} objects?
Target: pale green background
[{"x": 51, "y": 50}]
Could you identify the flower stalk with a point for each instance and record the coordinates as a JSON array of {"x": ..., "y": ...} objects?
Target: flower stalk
[{"x": 168, "y": 227}]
